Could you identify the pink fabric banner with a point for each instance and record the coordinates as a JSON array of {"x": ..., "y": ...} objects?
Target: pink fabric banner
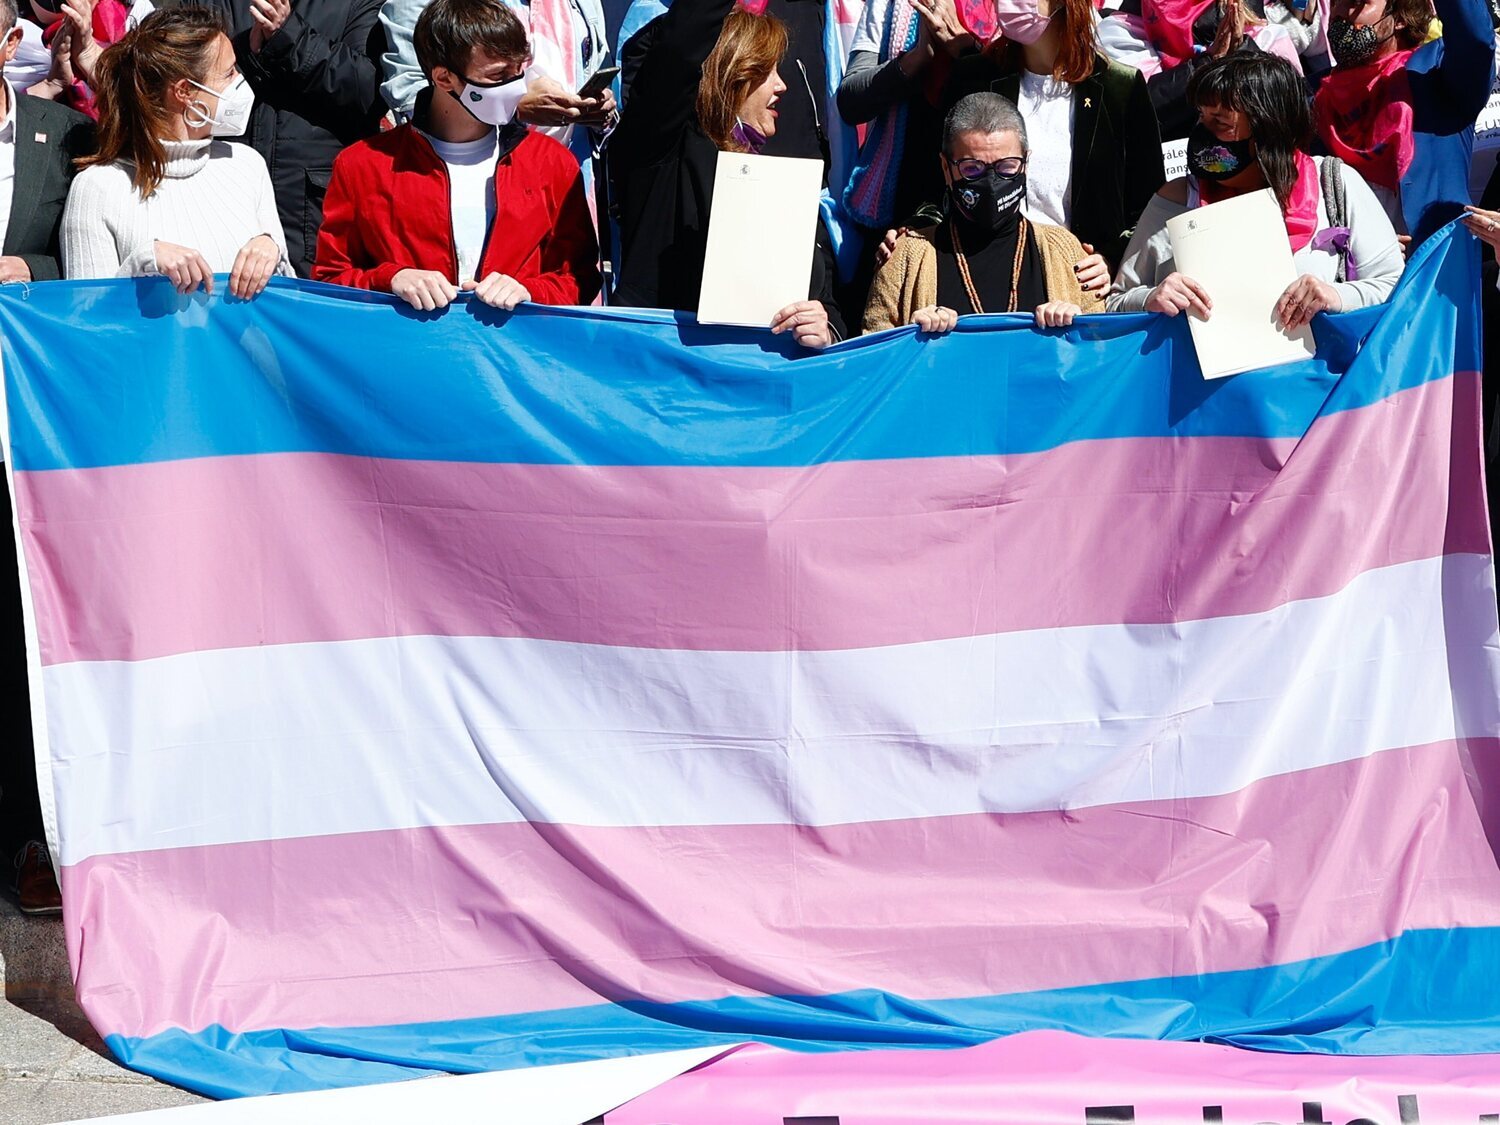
[{"x": 1052, "y": 1078}]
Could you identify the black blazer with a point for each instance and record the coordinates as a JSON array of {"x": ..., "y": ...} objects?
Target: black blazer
[
  {"x": 1117, "y": 159},
  {"x": 49, "y": 137}
]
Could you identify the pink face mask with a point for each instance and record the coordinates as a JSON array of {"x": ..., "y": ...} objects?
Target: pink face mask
[{"x": 1020, "y": 21}]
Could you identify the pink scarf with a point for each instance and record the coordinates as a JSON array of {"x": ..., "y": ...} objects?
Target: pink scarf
[
  {"x": 1169, "y": 27},
  {"x": 1301, "y": 212},
  {"x": 980, "y": 19},
  {"x": 1364, "y": 116}
]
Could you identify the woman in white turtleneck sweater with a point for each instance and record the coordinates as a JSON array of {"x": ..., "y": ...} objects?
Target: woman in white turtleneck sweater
[{"x": 163, "y": 195}]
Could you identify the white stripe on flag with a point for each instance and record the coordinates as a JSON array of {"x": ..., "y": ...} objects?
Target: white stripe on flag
[{"x": 313, "y": 739}]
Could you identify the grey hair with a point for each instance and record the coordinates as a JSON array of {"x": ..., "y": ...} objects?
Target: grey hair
[
  {"x": 982, "y": 113},
  {"x": 8, "y": 15}
]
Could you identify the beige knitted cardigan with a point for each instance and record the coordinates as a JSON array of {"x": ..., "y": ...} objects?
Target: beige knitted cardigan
[{"x": 908, "y": 281}]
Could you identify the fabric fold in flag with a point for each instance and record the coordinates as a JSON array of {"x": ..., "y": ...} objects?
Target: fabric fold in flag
[{"x": 427, "y": 694}]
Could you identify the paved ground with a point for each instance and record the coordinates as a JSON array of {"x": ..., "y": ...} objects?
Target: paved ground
[{"x": 53, "y": 1067}]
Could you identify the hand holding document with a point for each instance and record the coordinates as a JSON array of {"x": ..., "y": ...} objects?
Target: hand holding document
[
  {"x": 1238, "y": 252},
  {"x": 761, "y": 232}
]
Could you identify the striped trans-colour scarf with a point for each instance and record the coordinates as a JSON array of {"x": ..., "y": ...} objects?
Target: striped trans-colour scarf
[{"x": 871, "y": 195}]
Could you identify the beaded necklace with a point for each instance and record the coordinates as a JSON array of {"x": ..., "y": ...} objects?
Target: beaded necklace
[{"x": 1015, "y": 270}]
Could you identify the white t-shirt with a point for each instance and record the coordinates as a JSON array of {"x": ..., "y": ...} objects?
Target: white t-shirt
[
  {"x": 873, "y": 21},
  {"x": 471, "y": 196},
  {"x": 1046, "y": 106}
]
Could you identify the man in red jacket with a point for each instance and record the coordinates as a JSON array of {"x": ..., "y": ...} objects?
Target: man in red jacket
[{"x": 464, "y": 196}]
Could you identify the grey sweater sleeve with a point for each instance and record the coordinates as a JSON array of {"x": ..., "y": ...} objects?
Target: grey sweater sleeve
[
  {"x": 1147, "y": 260},
  {"x": 1372, "y": 244},
  {"x": 869, "y": 89},
  {"x": 403, "y": 77}
]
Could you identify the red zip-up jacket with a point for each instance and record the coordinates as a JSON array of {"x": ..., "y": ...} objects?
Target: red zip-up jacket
[{"x": 387, "y": 210}]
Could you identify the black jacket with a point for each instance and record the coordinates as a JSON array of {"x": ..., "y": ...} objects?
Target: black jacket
[
  {"x": 801, "y": 131},
  {"x": 1117, "y": 160},
  {"x": 662, "y": 168},
  {"x": 49, "y": 137},
  {"x": 317, "y": 90}
]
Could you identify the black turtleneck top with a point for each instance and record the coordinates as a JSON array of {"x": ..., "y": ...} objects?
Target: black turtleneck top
[{"x": 991, "y": 257}]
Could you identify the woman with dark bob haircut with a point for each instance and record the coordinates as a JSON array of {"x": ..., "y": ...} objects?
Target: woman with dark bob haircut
[{"x": 1254, "y": 129}]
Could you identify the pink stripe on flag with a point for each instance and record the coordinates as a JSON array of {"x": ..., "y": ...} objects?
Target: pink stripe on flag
[
  {"x": 447, "y": 923},
  {"x": 1051, "y": 1078},
  {"x": 142, "y": 561}
]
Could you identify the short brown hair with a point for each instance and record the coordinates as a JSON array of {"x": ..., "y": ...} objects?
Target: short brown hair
[
  {"x": 449, "y": 31},
  {"x": 1416, "y": 15},
  {"x": 131, "y": 81},
  {"x": 749, "y": 48}
]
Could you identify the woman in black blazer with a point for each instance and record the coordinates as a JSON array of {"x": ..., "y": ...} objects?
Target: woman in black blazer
[{"x": 1096, "y": 156}]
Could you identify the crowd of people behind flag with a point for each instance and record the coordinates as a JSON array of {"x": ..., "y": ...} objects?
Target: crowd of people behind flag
[{"x": 978, "y": 156}]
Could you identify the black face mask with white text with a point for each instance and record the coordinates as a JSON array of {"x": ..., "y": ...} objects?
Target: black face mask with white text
[{"x": 992, "y": 203}]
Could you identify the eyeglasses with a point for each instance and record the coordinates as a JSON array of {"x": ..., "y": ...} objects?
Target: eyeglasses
[{"x": 969, "y": 169}]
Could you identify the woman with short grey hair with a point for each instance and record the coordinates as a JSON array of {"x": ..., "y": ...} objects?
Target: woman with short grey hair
[{"x": 986, "y": 256}]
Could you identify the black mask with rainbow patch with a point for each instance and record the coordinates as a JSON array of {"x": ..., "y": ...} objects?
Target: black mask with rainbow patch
[{"x": 1209, "y": 158}]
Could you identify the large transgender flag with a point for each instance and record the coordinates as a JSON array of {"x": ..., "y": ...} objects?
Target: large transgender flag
[{"x": 470, "y": 691}]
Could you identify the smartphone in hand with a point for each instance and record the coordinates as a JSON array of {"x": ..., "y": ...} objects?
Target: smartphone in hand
[{"x": 600, "y": 82}]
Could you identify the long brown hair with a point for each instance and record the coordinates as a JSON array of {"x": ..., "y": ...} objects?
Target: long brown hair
[
  {"x": 748, "y": 50},
  {"x": 131, "y": 82},
  {"x": 1079, "y": 49}
]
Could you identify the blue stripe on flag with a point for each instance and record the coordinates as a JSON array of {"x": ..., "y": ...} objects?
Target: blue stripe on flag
[
  {"x": 156, "y": 377},
  {"x": 1426, "y": 992}
]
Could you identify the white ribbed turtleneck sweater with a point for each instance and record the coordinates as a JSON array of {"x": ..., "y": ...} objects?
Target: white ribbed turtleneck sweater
[{"x": 215, "y": 197}]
